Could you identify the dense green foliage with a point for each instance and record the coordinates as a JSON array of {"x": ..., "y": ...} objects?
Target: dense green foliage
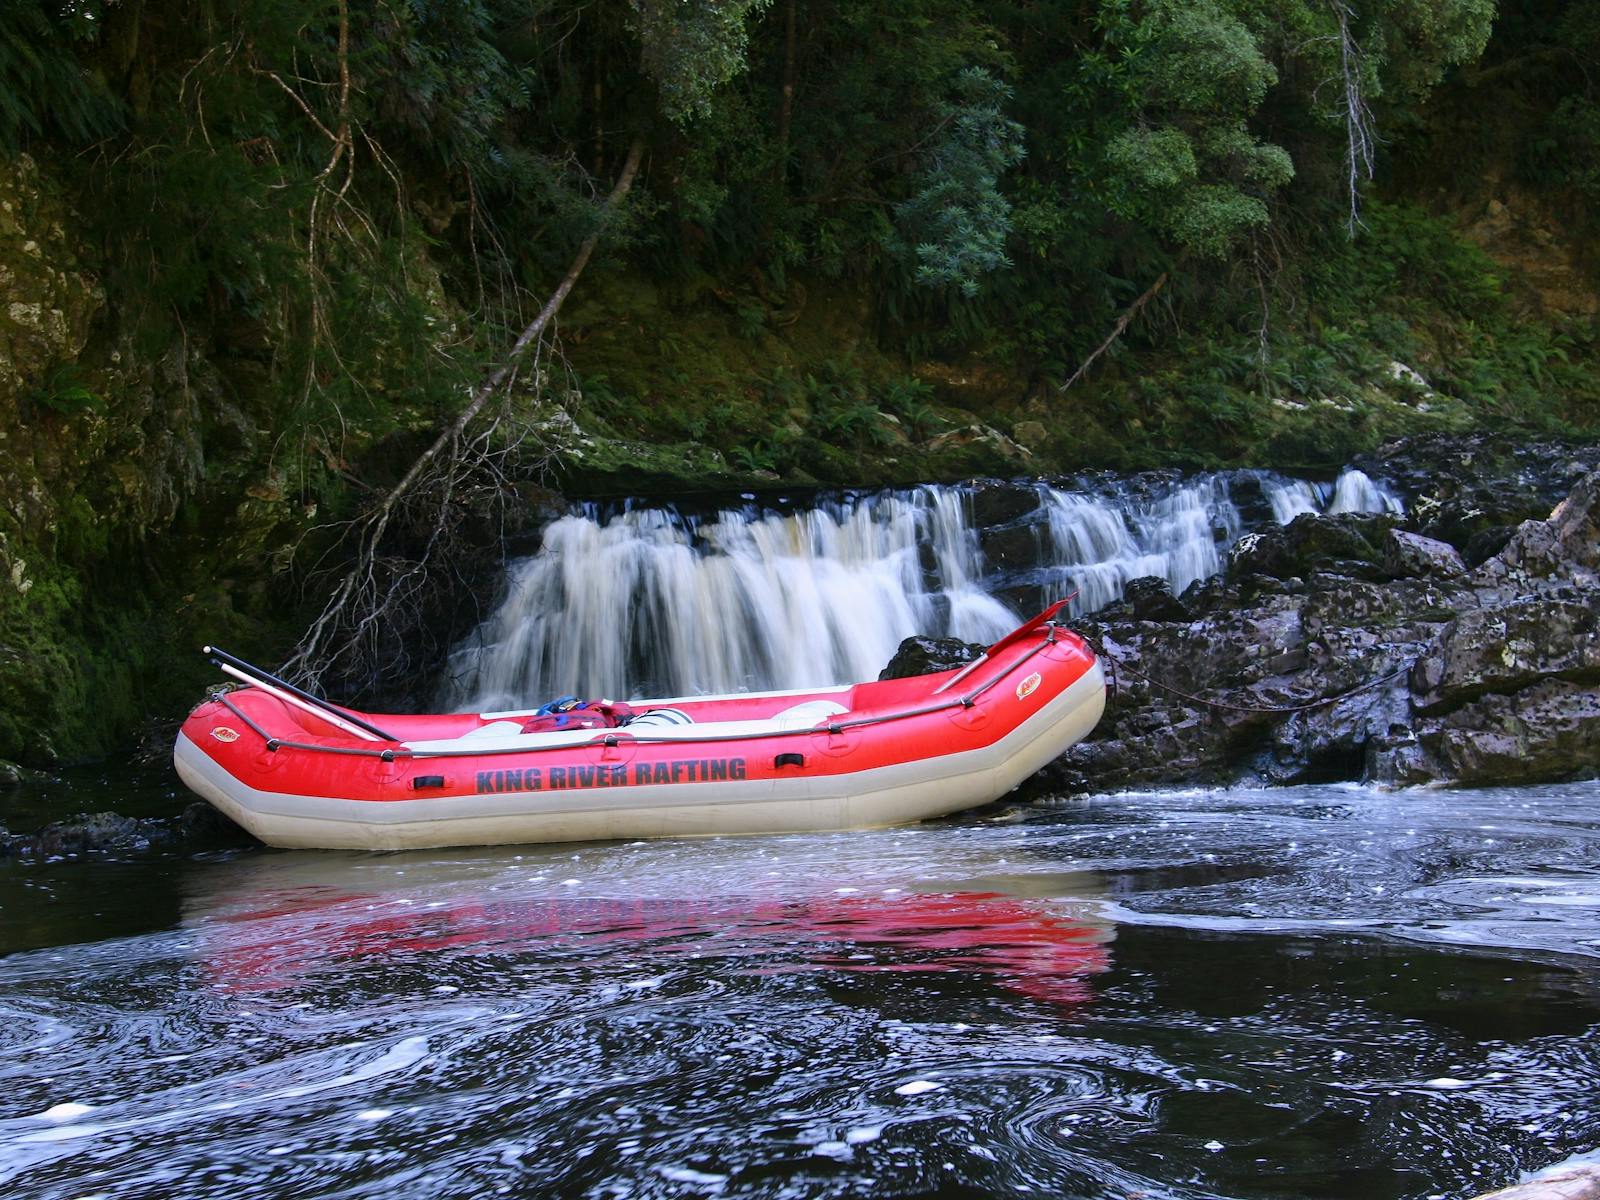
[
  {"x": 996, "y": 178},
  {"x": 959, "y": 219},
  {"x": 867, "y": 235},
  {"x": 45, "y": 88}
]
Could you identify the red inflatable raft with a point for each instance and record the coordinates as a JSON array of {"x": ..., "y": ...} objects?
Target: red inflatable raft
[{"x": 296, "y": 771}]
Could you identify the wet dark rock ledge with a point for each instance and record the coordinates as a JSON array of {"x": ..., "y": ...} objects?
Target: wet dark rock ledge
[
  {"x": 1358, "y": 648},
  {"x": 112, "y": 835},
  {"x": 1422, "y": 669}
]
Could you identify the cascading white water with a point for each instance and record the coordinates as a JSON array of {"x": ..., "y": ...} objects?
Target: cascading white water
[
  {"x": 1354, "y": 492},
  {"x": 648, "y": 602},
  {"x": 1292, "y": 497},
  {"x": 1102, "y": 542}
]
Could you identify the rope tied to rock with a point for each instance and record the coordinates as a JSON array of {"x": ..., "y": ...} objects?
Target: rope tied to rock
[{"x": 1119, "y": 666}]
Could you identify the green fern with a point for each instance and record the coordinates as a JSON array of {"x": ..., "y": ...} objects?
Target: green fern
[{"x": 45, "y": 88}]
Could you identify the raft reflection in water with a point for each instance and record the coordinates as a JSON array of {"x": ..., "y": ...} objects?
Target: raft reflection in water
[{"x": 305, "y": 922}]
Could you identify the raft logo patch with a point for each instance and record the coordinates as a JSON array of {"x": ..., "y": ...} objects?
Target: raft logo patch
[
  {"x": 223, "y": 734},
  {"x": 1027, "y": 686}
]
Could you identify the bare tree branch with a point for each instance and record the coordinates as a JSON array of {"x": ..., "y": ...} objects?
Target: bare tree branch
[
  {"x": 1360, "y": 130},
  {"x": 1117, "y": 330},
  {"x": 359, "y": 601},
  {"x": 780, "y": 166}
]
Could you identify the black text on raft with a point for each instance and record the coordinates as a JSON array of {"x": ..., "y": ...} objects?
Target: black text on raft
[{"x": 541, "y": 779}]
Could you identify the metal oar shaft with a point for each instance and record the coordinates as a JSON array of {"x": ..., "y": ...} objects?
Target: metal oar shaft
[
  {"x": 321, "y": 714},
  {"x": 287, "y": 692}
]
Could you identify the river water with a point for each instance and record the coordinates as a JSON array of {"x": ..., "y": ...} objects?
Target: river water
[{"x": 1312, "y": 992}]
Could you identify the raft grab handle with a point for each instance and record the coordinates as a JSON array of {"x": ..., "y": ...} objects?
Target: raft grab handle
[{"x": 1045, "y": 620}]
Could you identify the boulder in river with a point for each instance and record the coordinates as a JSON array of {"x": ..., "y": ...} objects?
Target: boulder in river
[
  {"x": 204, "y": 824},
  {"x": 96, "y": 833},
  {"x": 925, "y": 655},
  {"x": 1150, "y": 599},
  {"x": 1347, "y": 544},
  {"x": 200, "y": 826},
  {"x": 1409, "y": 555},
  {"x": 1472, "y": 490}
]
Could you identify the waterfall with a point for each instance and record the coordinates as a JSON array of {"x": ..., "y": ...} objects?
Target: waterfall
[
  {"x": 1355, "y": 492},
  {"x": 649, "y": 601},
  {"x": 1102, "y": 542}
]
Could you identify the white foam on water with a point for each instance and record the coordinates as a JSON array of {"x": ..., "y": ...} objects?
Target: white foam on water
[
  {"x": 69, "y": 1111},
  {"x": 1573, "y": 899},
  {"x": 62, "y": 1133},
  {"x": 689, "y": 1175},
  {"x": 405, "y": 1053}
]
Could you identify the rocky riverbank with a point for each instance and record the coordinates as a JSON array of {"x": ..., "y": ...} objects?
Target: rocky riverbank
[
  {"x": 198, "y": 827},
  {"x": 1457, "y": 644}
]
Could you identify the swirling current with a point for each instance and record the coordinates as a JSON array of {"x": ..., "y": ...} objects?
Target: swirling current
[{"x": 1312, "y": 992}]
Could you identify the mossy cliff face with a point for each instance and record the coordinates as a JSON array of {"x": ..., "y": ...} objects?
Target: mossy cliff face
[
  {"x": 48, "y": 308},
  {"x": 113, "y": 545}
]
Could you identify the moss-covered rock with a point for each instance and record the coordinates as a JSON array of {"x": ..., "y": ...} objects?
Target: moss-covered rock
[{"x": 50, "y": 300}]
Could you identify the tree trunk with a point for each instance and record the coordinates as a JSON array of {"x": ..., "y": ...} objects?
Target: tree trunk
[
  {"x": 780, "y": 168},
  {"x": 598, "y": 99}
]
